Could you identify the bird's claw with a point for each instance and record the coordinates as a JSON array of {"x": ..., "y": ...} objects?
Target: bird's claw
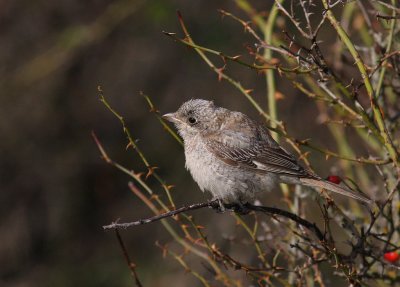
[
  {"x": 219, "y": 207},
  {"x": 239, "y": 208}
]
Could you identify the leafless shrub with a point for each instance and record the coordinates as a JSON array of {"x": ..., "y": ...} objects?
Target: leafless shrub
[{"x": 356, "y": 87}]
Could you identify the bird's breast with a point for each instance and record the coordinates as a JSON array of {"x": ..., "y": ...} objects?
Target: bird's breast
[
  {"x": 222, "y": 180},
  {"x": 200, "y": 163}
]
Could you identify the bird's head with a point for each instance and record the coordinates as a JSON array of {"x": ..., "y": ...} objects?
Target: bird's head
[{"x": 195, "y": 117}]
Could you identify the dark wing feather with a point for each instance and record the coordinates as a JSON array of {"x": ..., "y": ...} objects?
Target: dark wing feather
[{"x": 260, "y": 157}]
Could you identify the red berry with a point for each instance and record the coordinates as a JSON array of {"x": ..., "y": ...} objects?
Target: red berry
[
  {"x": 334, "y": 179},
  {"x": 391, "y": 256}
]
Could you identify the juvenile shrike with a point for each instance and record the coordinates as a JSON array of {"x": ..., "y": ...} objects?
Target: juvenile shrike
[{"x": 234, "y": 157}]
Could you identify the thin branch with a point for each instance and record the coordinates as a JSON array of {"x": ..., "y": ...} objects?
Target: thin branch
[
  {"x": 215, "y": 204},
  {"x": 236, "y": 59},
  {"x": 276, "y": 211},
  {"x": 133, "y": 144},
  {"x": 154, "y": 110},
  {"x": 293, "y": 20},
  {"x": 132, "y": 266},
  {"x": 161, "y": 216},
  {"x": 387, "y": 17},
  {"x": 387, "y": 5}
]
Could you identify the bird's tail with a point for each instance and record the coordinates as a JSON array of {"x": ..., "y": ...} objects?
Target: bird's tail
[{"x": 335, "y": 188}]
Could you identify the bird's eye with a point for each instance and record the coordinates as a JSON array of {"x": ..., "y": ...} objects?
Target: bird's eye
[{"x": 192, "y": 120}]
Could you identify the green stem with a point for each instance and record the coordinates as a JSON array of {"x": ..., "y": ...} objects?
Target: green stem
[
  {"x": 269, "y": 75},
  {"x": 370, "y": 91},
  {"x": 253, "y": 237},
  {"x": 388, "y": 48},
  {"x": 132, "y": 143},
  {"x": 222, "y": 75}
]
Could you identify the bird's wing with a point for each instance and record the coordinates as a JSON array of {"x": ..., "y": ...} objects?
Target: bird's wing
[{"x": 260, "y": 157}]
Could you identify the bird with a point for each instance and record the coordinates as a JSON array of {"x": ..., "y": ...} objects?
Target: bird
[{"x": 234, "y": 157}]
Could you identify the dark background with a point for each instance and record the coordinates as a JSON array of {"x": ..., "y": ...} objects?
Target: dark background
[{"x": 56, "y": 192}]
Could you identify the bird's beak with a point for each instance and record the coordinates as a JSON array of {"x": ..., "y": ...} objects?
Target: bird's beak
[{"x": 172, "y": 117}]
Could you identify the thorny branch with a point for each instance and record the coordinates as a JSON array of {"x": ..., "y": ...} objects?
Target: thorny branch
[
  {"x": 357, "y": 90},
  {"x": 230, "y": 207},
  {"x": 131, "y": 265}
]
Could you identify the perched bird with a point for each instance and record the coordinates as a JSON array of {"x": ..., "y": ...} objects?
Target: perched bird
[{"x": 234, "y": 157}]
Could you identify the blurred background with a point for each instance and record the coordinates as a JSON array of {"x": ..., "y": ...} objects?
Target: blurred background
[{"x": 56, "y": 191}]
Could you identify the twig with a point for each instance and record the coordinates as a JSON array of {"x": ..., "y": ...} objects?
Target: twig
[
  {"x": 154, "y": 110},
  {"x": 133, "y": 144},
  {"x": 236, "y": 59},
  {"x": 231, "y": 207},
  {"x": 394, "y": 8},
  {"x": 276, "y": 211},
  {"x": 293, "y": 20},
  {"x": 387, "y": 17},
  {"x": 161, "y": 216},
  {"x": 132, "y": 266},
  {"x": 388, "y": 48}
]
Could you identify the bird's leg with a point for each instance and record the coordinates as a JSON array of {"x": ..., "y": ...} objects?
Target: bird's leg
[
  {"x": 237, "y": 207},
  {"x": 220, "y": 208}
]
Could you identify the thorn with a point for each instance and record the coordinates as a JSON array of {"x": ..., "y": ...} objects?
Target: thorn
[
  {"x": 223, "y": 58},
  {"x": 163, "y": 248},
  {"x": 154, "y": 110},
  {"x": 280, "y": 72},
  {"x": 168, "y": 187},
  {"x": 246, "y": 26},
  {"x": 382, "y": 112},
  {"x": 220, "y": 74},
  {"x": 304, "y": 142},
  {"x": 304, "y": 155},
  {"x": 179, "y": 15},
  {"x": 154, "y": 196},
  {"x": 168, "y": 33},
  {"x": 129, "y": 145},
  {"x": 222, "y": 12},
  {"x": 198, "y": 240},
  {"x": 139, "y": 174},
  {"x": 248, "y": 91},
  {"x": 151, "y": 171}
]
